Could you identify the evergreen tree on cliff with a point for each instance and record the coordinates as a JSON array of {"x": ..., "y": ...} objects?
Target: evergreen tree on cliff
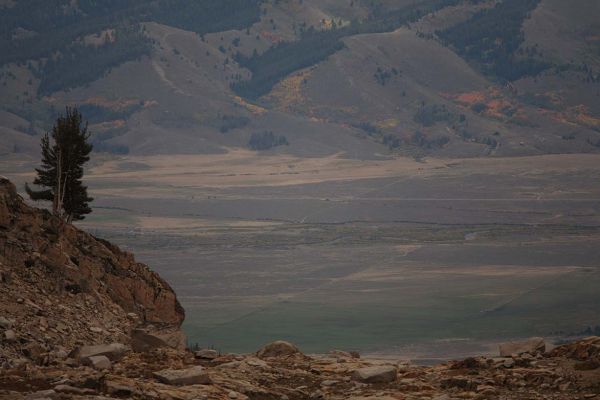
[{"x": 64, "y": 152}]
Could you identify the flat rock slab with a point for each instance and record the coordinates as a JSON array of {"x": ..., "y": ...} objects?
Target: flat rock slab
[
  {"x": 10, "y": 336},
  {"x": 113, "y": 351},
  {"x": 97, "y": 362},
  {"x": 42, "y": 394},
  {"x": 68, "y": 389},
  {"x": 206, "y": 354},
  {"x": 120, "y": 390},
  {"x": 378, "y": 374},
  {"x": 532, "y": 346},
  {"x": 143, "y": 341},
  {"x": 181, "y": 377}
]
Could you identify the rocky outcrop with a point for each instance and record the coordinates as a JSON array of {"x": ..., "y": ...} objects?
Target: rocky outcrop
[
  {"x": 62, "y": 287},
  {"x": 113, "y": 351},
  {"x": 279, "y": 348},
  {"x": 143, "y": 340},
  {"x": 97, "y": 362},
  {"x": 206, "y": 354},
  {"x": 531, "y": 346},
  {"x": 165, "y": 373},
  {"x": 189, "y": 376},
  {"x": 583, "y": 350},
  {"x": 379, "y": 374}
]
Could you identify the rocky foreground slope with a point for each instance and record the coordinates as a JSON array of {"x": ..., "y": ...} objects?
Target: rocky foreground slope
[
  {"x": 61, "y": 287},
  {"x": 80, "y": 319}
]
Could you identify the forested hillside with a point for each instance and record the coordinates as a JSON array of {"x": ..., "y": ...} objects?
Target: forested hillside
[
  {"x": 314, "y": 46},
  {"x": 492, "y": 37},
  {"x": 511, "y": 76},
  {"x": 50, "y": 36}
]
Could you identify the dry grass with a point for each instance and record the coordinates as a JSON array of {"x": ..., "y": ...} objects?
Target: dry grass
[
  {"x": 243, "y": 168},
  {"x": 246, "y": 168}
]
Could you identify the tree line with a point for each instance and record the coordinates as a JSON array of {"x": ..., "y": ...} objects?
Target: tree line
[
  {"x": 50, "y": 31},
  {"x": 491, "y": 38},
  {"x": 314, "y": 46},
  {"x": 78, "y": 64}
]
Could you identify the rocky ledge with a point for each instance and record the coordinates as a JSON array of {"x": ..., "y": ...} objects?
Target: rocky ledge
[{"x": 61, "y": 287}]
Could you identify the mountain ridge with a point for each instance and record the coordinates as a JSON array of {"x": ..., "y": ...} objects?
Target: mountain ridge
[{"x": 415, "y": 90}]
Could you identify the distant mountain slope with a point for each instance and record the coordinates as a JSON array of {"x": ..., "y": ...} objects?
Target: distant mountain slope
[{"x": 445, "y": 77}]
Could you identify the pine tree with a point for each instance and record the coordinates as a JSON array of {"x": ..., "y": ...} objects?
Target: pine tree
[{"x": 64, "y": 152}]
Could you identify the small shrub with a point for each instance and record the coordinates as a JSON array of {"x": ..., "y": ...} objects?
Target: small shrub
[{"x": 266, "y": 140}]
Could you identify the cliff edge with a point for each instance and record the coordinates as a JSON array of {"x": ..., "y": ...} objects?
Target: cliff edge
[{"x": 62, "y": 287}]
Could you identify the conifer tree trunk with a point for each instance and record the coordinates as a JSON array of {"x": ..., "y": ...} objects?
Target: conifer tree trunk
[{"x": 61, "y": 172}]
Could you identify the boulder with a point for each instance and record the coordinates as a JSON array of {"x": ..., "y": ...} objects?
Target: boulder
[
  {"x": 459, "y": 382},
  {"x": 378, "y": 374},
  {"x": 340, "y": 354},
  {"x": 206, "y": 354},
  {"x": 180, "y": 377},
  {"x": 5, "y": 323},
  {"x": 486, "y": 390},
  {"x": 329, "y": 382},
  {"x": 118, "y": 389},
  {"x": 532, "y": 346},
  {"x": 34, "y": 351},
  {"x": 59, "y": 354},
  {"x": 255, "y": 362},
  {"x": 587, "y": 365},
  {"x": 41, "y": 395},
  {"x": 279, "y": 348},
  {"x": 10, "y": 336},
  {"x": 113, "y": 351},
  {"x": 68, "y": 389},
  {"x": 97, "y": 362},
  {"x": 467, "y": 363},
  {"x": 508, "y": 363},
  {"x": 143, "y": 341}
]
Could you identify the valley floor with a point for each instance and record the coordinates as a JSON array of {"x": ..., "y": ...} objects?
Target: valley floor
[{"x": 430, "y": 259}]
